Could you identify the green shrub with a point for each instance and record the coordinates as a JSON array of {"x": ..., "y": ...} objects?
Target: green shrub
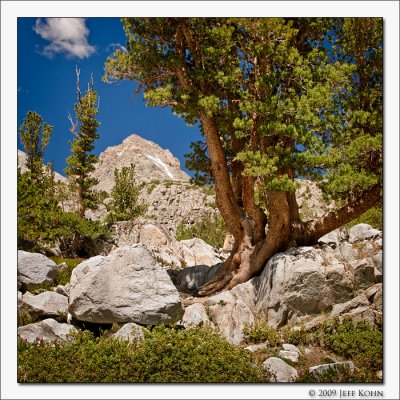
[
  {"x": 211, "y": 229},
  {"x": 260, "y": 332},
  {"x": 63, "y": 276},
  {"x": 165, "y": 355},
  {"x": 295, "y": 337},
  {"x": 359, "y": 342}
]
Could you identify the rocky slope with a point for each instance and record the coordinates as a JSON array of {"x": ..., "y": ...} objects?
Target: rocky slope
[{"x": 152, "y": 163}]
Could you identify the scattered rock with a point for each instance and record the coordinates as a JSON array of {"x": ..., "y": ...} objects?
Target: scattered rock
[
  {"x": 318, "y": 369},
  {"x": 360, "y": 314},
  {"x": 281, "y": 371},
  {"x": 126, "y": 286},
  {"x": 364, "y": 275},
  {"x": 35, "y": 269},
  {"x": 362, "y": 232},
  {"x": 46, "y": 304},
  {"x": 291, "y": 347},
  {"x": 130, "y": 332},
  {"x": 289, "y": 355},
  {"x": 359, "y": 301},
  {"x": 196, "y": 315},
  {"x": 332, "y": 238},
  {"x": 257, "y": 347},
  {"x": 47, "y": 330},
  {"x": 63, "y": 289}
]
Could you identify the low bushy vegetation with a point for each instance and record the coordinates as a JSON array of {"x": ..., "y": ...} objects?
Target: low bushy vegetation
[
  {"x": 331, "y": 341},
  {"x": 63, "y": 275},
  {"x": 260, "y": 332},
  {"x": 359, "y": 342},
  {"x": 211, "y": 229},
  {"x": 167, "y": 354}
]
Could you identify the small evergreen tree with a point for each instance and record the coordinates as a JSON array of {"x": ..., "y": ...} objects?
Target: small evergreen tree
[
  {"x": 81, "y": 162},
  {"x": 35, "y": 136},
  {"x": 124, "y": 204}
]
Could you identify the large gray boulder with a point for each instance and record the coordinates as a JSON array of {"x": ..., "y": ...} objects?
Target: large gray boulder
[
  {"x": 280, "y": 370},
  {"x": 34, "y": 269},
  {"x": 47, "y": 330},
  {"x": 46, "y": 304},
  {"x": 126, "y": 286},
  {"x": 297, "y": 283}
]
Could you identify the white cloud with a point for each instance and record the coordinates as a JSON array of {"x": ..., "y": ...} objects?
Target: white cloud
[
  {"x": 66, "y": 36},
  {"x": 115, "y": 46}
]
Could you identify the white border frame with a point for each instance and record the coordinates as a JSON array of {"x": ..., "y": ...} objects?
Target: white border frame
[{"x": 389, "y": 10}]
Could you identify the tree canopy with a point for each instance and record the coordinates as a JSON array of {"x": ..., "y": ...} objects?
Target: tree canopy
[{"x": 278, "y": 100}]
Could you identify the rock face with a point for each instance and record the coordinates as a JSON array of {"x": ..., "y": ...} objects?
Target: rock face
[
  {"x": 47, "y": 330},
  {"x": 151, "y": 161},
  {"x": 126, "y": 286},
  {"x": 34, "y": 269},
  {"x": 47, "y": 304}
]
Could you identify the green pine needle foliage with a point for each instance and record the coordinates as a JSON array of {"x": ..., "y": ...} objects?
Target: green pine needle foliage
[
  {"x": 125, "y": 205},
  {"x": 35, "y": 136}
]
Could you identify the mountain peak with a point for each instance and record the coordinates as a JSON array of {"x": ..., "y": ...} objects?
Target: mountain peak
[{"x": 151, "y": 161}]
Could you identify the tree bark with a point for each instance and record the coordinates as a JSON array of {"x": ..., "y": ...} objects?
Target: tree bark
[{"x": 225, "y": 197}]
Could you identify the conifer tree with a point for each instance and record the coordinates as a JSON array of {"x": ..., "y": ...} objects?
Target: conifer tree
[
  {"x": 124, "y": 205},
  {"x": 81, "y": 162},
  {"x": 35, "y": 136},
  {"x": 277, "y": 99}
]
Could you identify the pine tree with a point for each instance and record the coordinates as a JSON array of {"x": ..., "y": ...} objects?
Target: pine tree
[
  {"x": 277, "y": 99},
  {"x": 81, "y": 162},
  {"x": 35, "y": 136},
  {"x": 124, "y": 205}
]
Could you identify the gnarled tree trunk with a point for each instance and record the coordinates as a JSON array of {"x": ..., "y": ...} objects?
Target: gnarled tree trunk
[{"x": 257, "y": 240}]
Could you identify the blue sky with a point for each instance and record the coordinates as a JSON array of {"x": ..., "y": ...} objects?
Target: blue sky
[{"x": 49, "y": 50}]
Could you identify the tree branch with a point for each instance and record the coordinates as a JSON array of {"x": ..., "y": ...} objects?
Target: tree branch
[{"x": 309, "y": 232}]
